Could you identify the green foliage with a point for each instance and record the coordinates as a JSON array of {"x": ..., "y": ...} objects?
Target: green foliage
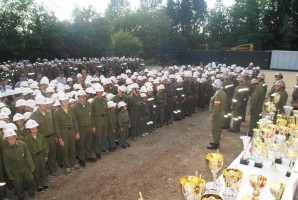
[
  {"x": 125, "y": 44},
  {"x": 117, "y": 8},
  {"x": 29, "y": 31}
]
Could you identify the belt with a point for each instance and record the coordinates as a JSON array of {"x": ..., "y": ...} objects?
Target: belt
[
  {"x": 37, "y": 153},
  {"x": 100, "y": 115},
  {"x": 50, "y": 135}
]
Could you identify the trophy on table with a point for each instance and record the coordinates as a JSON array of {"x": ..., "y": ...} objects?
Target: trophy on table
[
  {"x": 211, "y": 197},
  {"x": 288, "y": 111},
  {"x": 233, "y": 179},
  {"x": 258, "y": 149},
  {"x": 215, "y": 163},
  {"x": 257, "y": 182},
  {"x": 277, "y": 190},
  {"x": 192, "y": 187},
  {"x": 245, "y": 159},
  {"x": 293, "y": 157}
]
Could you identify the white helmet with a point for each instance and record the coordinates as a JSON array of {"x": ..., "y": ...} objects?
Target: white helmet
[
  {"x": 99, "y": 88},
  {"x": 135, "y": 86},
  {"x": 57, "y": 103},
  {"x": 129, "y": 81},
  {"x": 17, "y": 116},
  {"x": 161, "y": 87},
  {"x": 24, "y": 84},
  {"x": 27, "y": 115},
  {"x": 31, "y": 124},
  {"x": 6, "y": 111},
  {"x": 17, "y": 91},
  {"x": 50, "y": 90},
  {"x": 9, "y": 133},
  {"x": 217, "y": 84},
  {"x": 121, "y": 104},
  {"x": 3, "y": 115},
  {"x": 109, "y": 96},
  {"x": 143, "y": 95},
  {"x": 9, "y": 92},
  {"x": 81, "y": 93},
  {"x": 111, "y": 104},
  {"x": 36, "y": 92},
  {"x": 27, "y": 91},
  {"x": 10, "y": 126},
  {"x": 20, "y": 102},
  {"x": 63, "y": 97},
  {"x": 2, "y": 124},
  {"x": 143, "y": 89},
  {"x": 44, "y": 81},
  {"x": 77, "y": 86},
  {"x": 40, "y": 100}
]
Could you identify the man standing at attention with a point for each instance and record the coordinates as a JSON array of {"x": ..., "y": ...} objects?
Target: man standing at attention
[{"x": 217, "y": 107}]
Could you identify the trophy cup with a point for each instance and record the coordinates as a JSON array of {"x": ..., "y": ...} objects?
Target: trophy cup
[
  {"x": 258, "y": 148},
  {"x": 293, "y": 157},
  {"x": 277, "y": 189},
  {"x": 288, "y": 111},
  {"x": 215, "y": 162},
  {"x": 246, "y": 140},
  {"x": 247, "y": 197},
  {"x": 192, "y": 187},
  {"x": 211, "y": 197},
  {"x": 233, "y": 179},
  {"x": 257, "y": 182}
]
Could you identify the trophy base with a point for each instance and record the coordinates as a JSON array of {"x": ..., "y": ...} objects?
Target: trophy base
[
  {"x": 244, "y": 161},
  {"x": 278, "y": 160},
  {"x": 258, "y": 165},
  {"x": 288, "y": 174}
]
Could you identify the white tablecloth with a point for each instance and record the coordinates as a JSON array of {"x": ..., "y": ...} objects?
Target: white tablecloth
[{"x": 272, "y": 175}]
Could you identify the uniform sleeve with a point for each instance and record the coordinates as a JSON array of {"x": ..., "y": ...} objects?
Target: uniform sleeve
[
  {"x": 45, "y": 147},
  {"x": 92, "y": 113},
  {"x": 217, "y": 104},
  {"x": 253, "y": 100},
  {"x": 29, "y": 160},
  {"x": 56, "y": 125},
  {"x": 234, "y": 100},
  {"x": 7, "y": 164},
  {"x": 120, "y": 119},
  {"x": 75, "y": 122}
]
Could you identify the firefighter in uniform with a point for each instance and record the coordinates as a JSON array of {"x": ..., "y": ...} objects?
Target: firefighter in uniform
[
  {"x": 217, "y": 107},
  {"x": 294, "y": 101},
  {"x": 228, "y": 88},
  {"x": 238, "y": 104},
  {"x": 256, "y": 104}
]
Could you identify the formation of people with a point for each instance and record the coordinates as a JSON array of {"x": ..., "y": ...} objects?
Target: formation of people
[{"x": 68, "y": 121}]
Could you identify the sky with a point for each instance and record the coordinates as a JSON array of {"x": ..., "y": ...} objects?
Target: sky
[{"x": 63, "y": 8}]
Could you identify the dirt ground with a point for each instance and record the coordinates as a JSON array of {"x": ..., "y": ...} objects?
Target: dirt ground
[{"x": 154, "y": 164}]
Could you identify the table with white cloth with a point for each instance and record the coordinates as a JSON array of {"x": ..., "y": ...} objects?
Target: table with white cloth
[{"x": 277, "y": 174}]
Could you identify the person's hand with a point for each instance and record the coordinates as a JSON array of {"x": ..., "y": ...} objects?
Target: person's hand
[
  {"x": 56, "y": 140},
  {"x": 46, "y": 158},
  {"x": 61, "y": 143},
  {"x": 94, "y": 129},
  {"x": 121, "y": 129},
  {"x": 77, "y": 135}
]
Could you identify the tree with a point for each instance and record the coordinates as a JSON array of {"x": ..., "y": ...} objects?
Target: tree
[
  {"x": 151, "y": 28},
  {"x": 117, "y": 8},
  {"x": 245, "y": 16},
  {"x": 217, "y": 28},
  {"x": 150, "y": 5},
  {"x": 125, "y": 44},
  {"x": 187, "y": 17}
]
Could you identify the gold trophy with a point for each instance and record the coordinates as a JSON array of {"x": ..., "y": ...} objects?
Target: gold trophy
[
  {"x": 233, "y": 179},
  {"x": 257, "y": 182},
  {"x": 192, "y": 187},
  {"x": 247, "y": 197},
  {"x": 277, "y": 190},
  {"x": 211, "y": 197},
  {"x": 215, "y": 162},
  {"x": 258, "y": 149}
]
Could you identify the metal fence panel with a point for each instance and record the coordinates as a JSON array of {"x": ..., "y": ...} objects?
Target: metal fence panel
[{"x": 284, "y": 60}]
